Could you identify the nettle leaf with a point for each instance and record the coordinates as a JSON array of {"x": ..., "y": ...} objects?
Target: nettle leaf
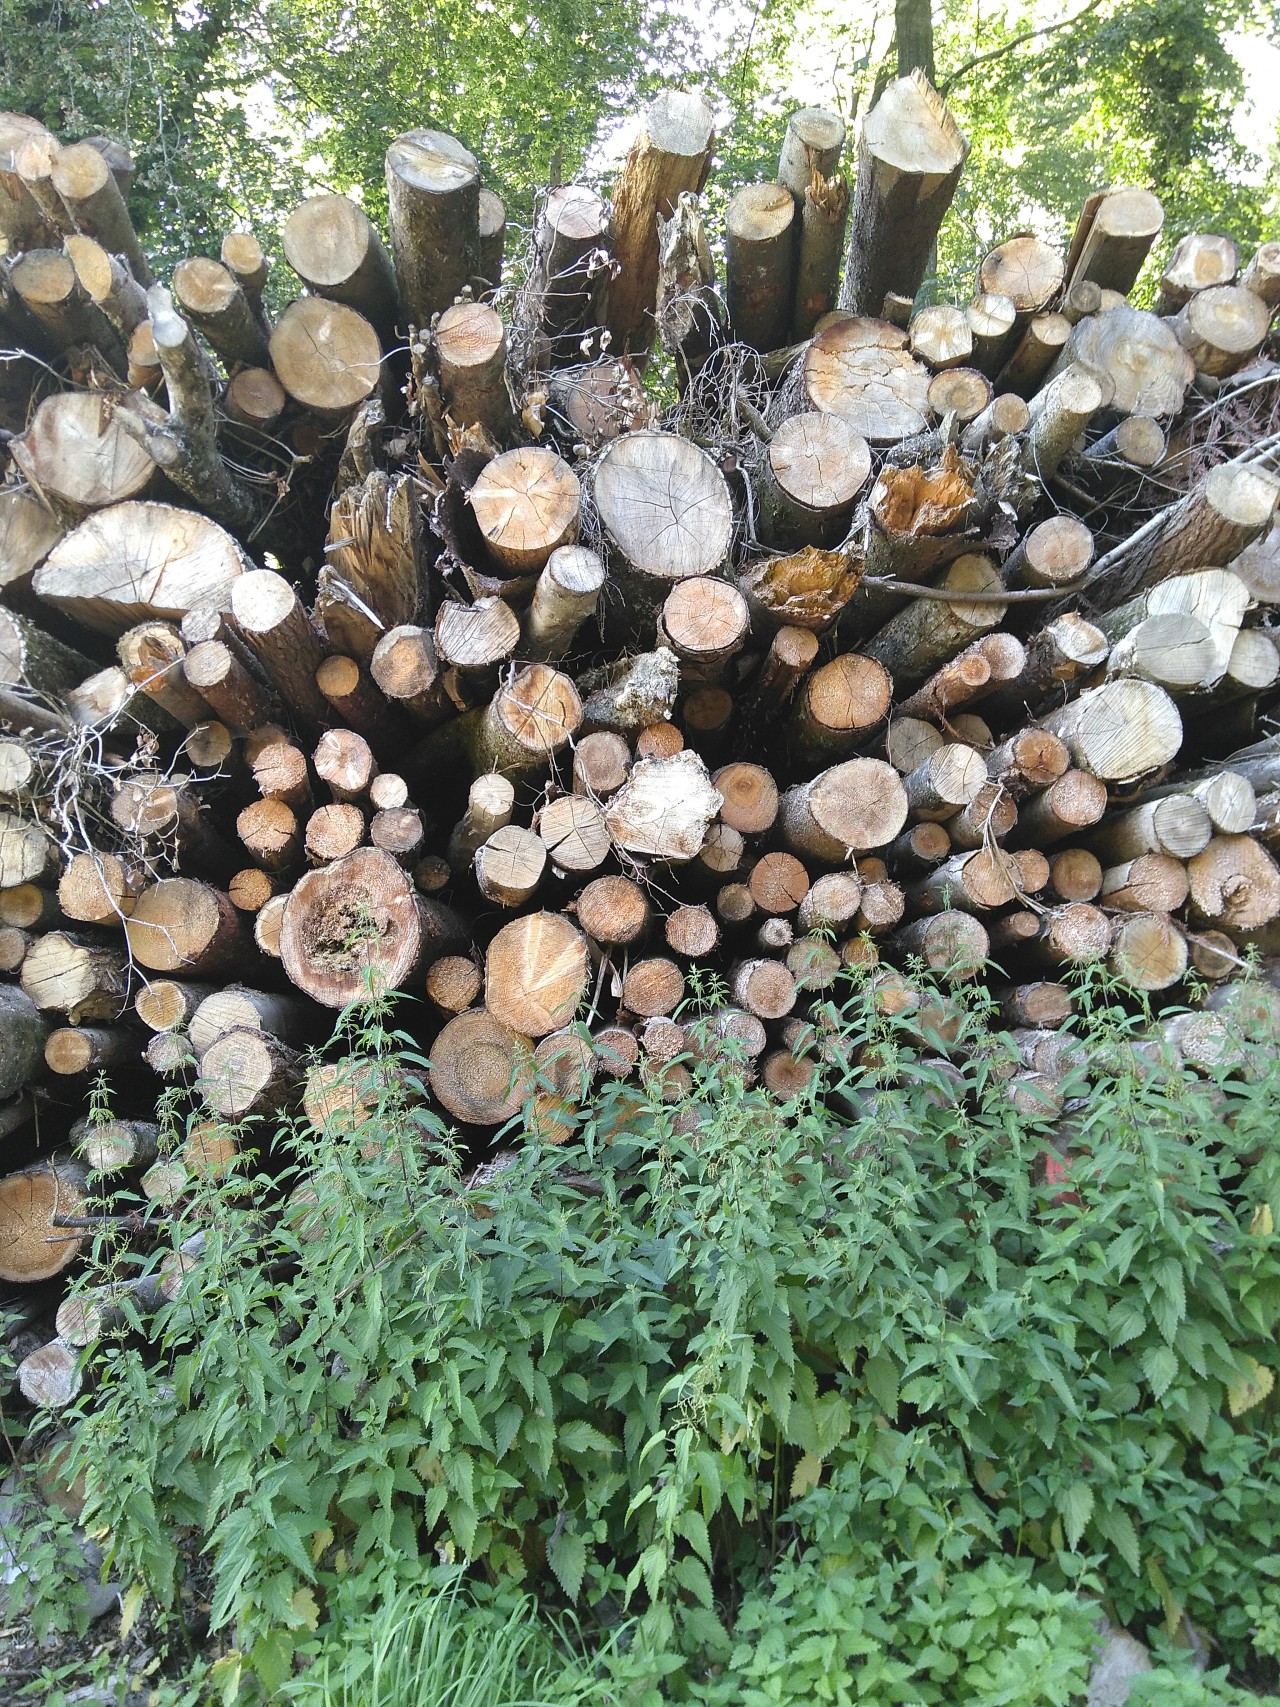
[
  {"x": 1116, "y": 1526},
  {"x": 581, "y": 1437},
  {"x": 1075, "y": 1507},
  {"x": 1160, "y": 1366},
  {"x": 1127, "y": 1320},
  {"x": 881, "y": 1375},
  {"x": 567, "y": 1556},
  {"x": 807, "y": 1474},
  {"x": 1250, "y": 1388}
]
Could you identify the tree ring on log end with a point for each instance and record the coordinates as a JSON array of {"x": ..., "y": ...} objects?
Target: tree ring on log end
[{"x": 347, "y": 921}]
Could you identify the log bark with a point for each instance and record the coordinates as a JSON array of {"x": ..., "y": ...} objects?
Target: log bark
[
  {"x": 1059, "y": 414},
  {"x": 1113, "y": 237},
  {"x": 671, "y": 154},
  {"x": 564, "y": 599},
  {"x": 989, "y": 817},
  {"x": 1034, "y": 354},
  {"x": 929, "y": 632},
  {"x": 909, "y": 161},
  {"x": 210, "y": 298},
  {"x": 823, "y": 219},
  {"x": 22, "y": 1038},
  {"x": 493, "y": 238},
  {"x": 433, "y": 188},
  {"x": 1217, "y": 519},
  {"x": 76, "y": 1049},
  {"x": 333, "y": 247}
]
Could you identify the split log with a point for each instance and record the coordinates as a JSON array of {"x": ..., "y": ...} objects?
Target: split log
[
  {"x": 574, "y": 832},
  {"x": 1149, "y": 952},
  {"x": 848, "y": 809},
  {"x": 526, "y": 504},
  {"x": 814, "y": 468},
  {"x": 909, "y": 160},
  {"x": 32, "y": 1246},
  {"x": 1113, "y": 237},
  {"x": 671, "y": 154},
  {"x": 359, "y": 925},
  {"x": 333, "y": 247}
]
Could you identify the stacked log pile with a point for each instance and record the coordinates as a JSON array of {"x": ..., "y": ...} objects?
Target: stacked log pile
[{"x": 399, "y": 640}]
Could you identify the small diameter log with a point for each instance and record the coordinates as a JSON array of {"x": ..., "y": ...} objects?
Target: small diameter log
[
  {"x": 1039, "y": 1006},
  {"x": 268, "y": 924},
  {"x": 1177, "y": 825},
  {"x": 1135, "y": 442},
  {"x": 1235, "y": 884},
  {"x": 26, "y": 853},
  {"x": 50, "y": 1377},
  {"x": 1227, "y": 797},
  {"x": 652, "y": 987},
  {"x": 1075, "y": 874},
  {"x": 152, "y": 656},
  {"x": 671, "y": 154},
  {"x": 940, "y": 337},
  {"x": 564, "y": 598},
  {"x": 279, "y": 769},
  {"x": 510, "y": 866},
  {"x": 613, "y": 911},
  {"x": 814, "y": 468},
  {"x": 910, "y": 156},
  {"x": 1119, "y": 731},
  {"x": 474, "y": 639},
  {"x": 247, "y": 1072},
  {"x": 734, "y": 905},
  {"x": 89, "y": 1048},
  {"x": 490, "y": 803},
  {"x": 946, "y": 782},
  {"x": 327, "y": 357},
  {"x": 1222, "y": 329},
  {"x": 1198, "y": 261},
  {"x": 526, "y": 504},
  {"x": 1262, "y": 274},
  {"x": 107, "y": 281},
  {"x": 1152, "y": 883},
  {"x": 208, "y": 296},
  {"x": 791, "y": 653},
  {"x": 665, "y": 511},
  {"x": 759, "y": 249},
  {"x": 569, "y": 273},
  {"x": 32, "y": 1246},
  {"x": 992, "y": 320},
  {"x": 406, "y": 670},
  {"x": 454, "y": 983},
  {"x": 344, "y": 762},
  {"x": 1113, "y": 238},
  {"x": 1028, "y": 761},
  {"x": 637, "y": 693},
  {"x": 334, "y": 831},
  {"x": 920, "y": 847},
  {"x": 961, "y": 392},
  {"x": 849, "y": 809},
  {"x": 1071, "y": 804},
  {"x": 481, "y": 1070},
  {"x": 975, "y": 882},
  {"x": 928, "y": 632},
  {"x": 537, "y": 972},
  {"x": 471, "y": 353},
  {"x": 664, "y": 809},
  {"x": 1216, "y": 520},
  {"x": 271, "y": 834},
  {"x": 954, "y": 945},
  {"x": 433, "y": 188},
  {"x": 1004, "y": 417},
  {"x": 749, "y": 795},
  {"x": 1055, "y": 553},
  {"x": 167, "y": 1004},
  {"x": 334, "y": 249},
  {"x": 823, "y": 218},
  {"x": 572, "y": 828},
  {"x": 1214, "y": 955},
  {"x": 1035, "y": 353},
  {"x": 100, "y": 889},
  {"x": 249, "y": 889},
  {"x": 22, "y": 1038},
  {"x": 1059, "y": 414},
  {"x": 271, "y": 618},
  {"x": 989, "y": 817},
  {"x": 812, "y": 142},
  {"x": 765, "y": 988},
  {"x": 81, "y": 176},
  {"x": 778, "y": 883},
  {"x": 691, "y": 932},
  {"x": 705, "y": 622},
  {"x": 77, "y": 454},
  {"x": 1148, "y": 952},
  {"x": 82, "y": 979},
  {"x": 27, "y": 905},
  {"x": 356, "y": 698},
  {"x": 179, "y": 924},
  {"x": 44, "y": 282},
  {"x": 238, "y": 698},
  {"x": 387, "y": 790},
  {"x": 1074, "y": 935}
]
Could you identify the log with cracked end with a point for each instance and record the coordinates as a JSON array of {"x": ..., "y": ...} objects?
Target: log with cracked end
[
  {"x": 327, "y": 356},
  {"x": 815, "y": 466},
  {"x": 1120, "y": 731},
  {"x": 526, "y": 503},
  {"x": 665, "y": 513},
  {"x": 1148, "y": 952},
  {"x": 1026, "y": 270},
  {"x": 664, "y": 809}
]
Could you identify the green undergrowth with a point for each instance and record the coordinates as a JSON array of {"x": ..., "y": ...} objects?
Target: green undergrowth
[{"x": 849, "y": 1399}]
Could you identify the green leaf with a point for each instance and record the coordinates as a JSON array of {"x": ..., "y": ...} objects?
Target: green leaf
[
  {"x": 581, "y": 1437},
  {"x": 1075, "y": 1507},
  {"x": 881, "y": 1374},
  {"x": 1160, "y": 1366},
  {"x": 567, "y": 1556},
  {"x": 1116, "y": 1526}
]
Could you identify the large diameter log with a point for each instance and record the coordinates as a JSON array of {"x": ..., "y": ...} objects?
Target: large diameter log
[
  {"x": 32, "y": 1246},
  {"x": 481, "y": 1070},
  {"x": 814, "y": 468},
  {"x": 1151, "y": 883},
  {"x": 1235, "y": 884},
  {"x": 100, "y": 889},
  {"x": 526, "y": 505},
  {"x": 471, "y": 349},
  {"x": 433, "y": 188},
  {"x": 247, "y": 1072},
  {"x": 671, "y": 154},
  {"x": 1222, "y": 329},
  {"x": 665, "y": 510},
  {"x": 862, "y": 371},
  {"x": 940, "y": 337},
  {"x": 847, "y": 810},
  {"x": 1113, "y": 238},
  {"x": 1148, "y": 952},
  {"x": 1122, "y": 730},
  {"x": 27, "y": 853},
  {"x": 358, "y": 926},
  {"x": 84, "y": 980},
  {"x": 209, "y": 296},
  {"x": 22, "y": 1039},
  {"x": 271, "y": 618},
  {"x": 537, "y": 972},
  {"x": 327, "y": 356},
  {"x": 909, "y": 160},
  {"x": 665, "y": 808},
  {"x": 134, "y": 561},
  {"x": 179, "y": 924},
  {"x": 77, "y": 453},
  {"x": 1174, "y": 651},
  {"x": 333, "y": 247},
  {"x": 1025, "y": 270},
  {"x": 758, "y": 264},
  {"x": 1139, "y": 353}
]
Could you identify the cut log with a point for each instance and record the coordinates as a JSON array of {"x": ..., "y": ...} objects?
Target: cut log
[
  {"x": 474, "y": 639},
  {"x": 32, "y": 1246},
  {"x": 953, "y": 945},
  {"x": 570, "y": 270},
  {"x": 940, "y": 337},
  {"x": 268, "y": 925},
  {"x": 77, "y": 1049},
  {"x": 1034, "y": 354},
  {"x": 849, "y": 809},
  {"x": 345, "y": 763},
  {"x": 45, "y": 283},
  {"x": 574, "y": 832},
  {"x": 1004, "y": 417},
  {"x": 334, "y": 249},
  {"x": 1025, "y": 270},
  {"x": 960, "y": 680},
  {"x": 359, "y": 925},
  {"x": 1198, "y": 261},
  {"x": 814, "y": 468},
  {"x": 974, "y": 882},
  {"x": 490, "y": 803},
  {"x": 152, "y": 656},
  {"x": 862, "y": 371},
  {"x": 909, "y": 160},
  {"x": 928, "y": 632},
  {"x": 249, "y": 889},
  {"x": 823, "y": 218},
  {"x": 1120, "y": 731},
  {"x": 1222, "y": 329},
  {"x": 992, "y": 319},
  {"x": 1075, "y": 874},
  {"x": 946, "y": 782},
  {"x": 671, "y": 154},
  {"x": 749, "y": 795},
  {"x": 1141, "y": 356},
  {"x": 778, "y": 883},
  {"x": 77, "y": 453},
  {"x": 759, "y": 250},
  {"x": 1059, "y": 414},
  {"x": 664, "y": 808},
  {"x": 1028, "y": 761},
  {"x": 1149, "y": 952},
  {"x": 22, "y": 1038},
  {"x": 536, "y": 973},
  {"x": 1055, "y": 553},
  {"x": 388, "y": 789},
  {"x": 510, "y": 866},
  {"x": 1235, "y": 884},
  {"x": 705, "y": 622},
  {"x": 1040, "y": 1005},
  {"x": 356, "y": 698},
  {"x": 28, "y": 532},
  {"x": 613, "y": 911},
  {"x": 165, "y": 1004},
  {"x": 327, "y": 356},
  {"x": 1136, "y": 442},
  {"x": 279, "y": 769},
  {"x": 26, "y": 852},
  {"x": 210, "y": 298},
  {"x": 1113, "y": 238},
  {"x": 1226, "y": 796},
  {"x": 50, "y": 1377},
  {"x": 1262, "y": 274},
  {"x": 180, "y": 924},
  {"x": 652, "y": 987},
  {"x": 332, "y": 832},
  {"x": 135, "y": 561},
  {"x": 433, "y": 187},
  {"x": 665, "y": 511},
  {"x": 961, "y": 392},
  {"x": 989, "y": 817},
  {"x": 691, "y": 932},
  {"x": 481, "y": 1070},
  {"x": 526, "y": 504},
  {"x": 1074, "y": 935},
  {"x": 1071, "y": 804},
  {"x": 454, "y": 983},
  {"x": 723, "y": 851},
  {"x": 1177, "y": 825},
  {"x": 1151, "y": 883},
  {"x": 493, "y": 237},
  {"x": 812, "y": 142},
  {"x": 82, "y": 979},
  {"x": 247, "y": 1072},
  {"x": 471, "y": 350},
  {"x": 564, "y": 598},
  {"x": 406, "y": 669},
  {"x": 763, "y": 987},
  {"x": 271, "y": 618}
]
